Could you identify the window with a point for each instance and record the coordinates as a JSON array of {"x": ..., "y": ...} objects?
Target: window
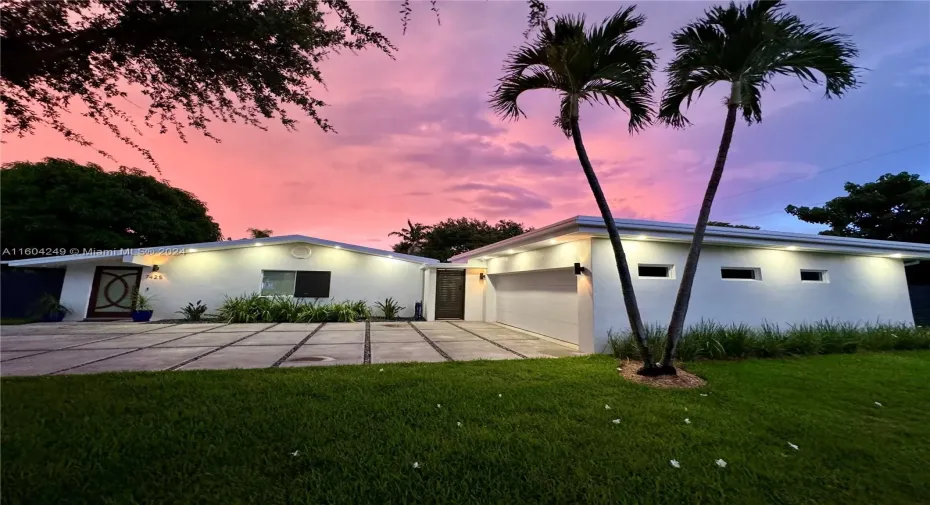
[
  {"x": 745, "y": 274},
  {"x": 300, "y": 284},
  {"x": 813, "y": 276},
  {"x": 656, "y": 271}
]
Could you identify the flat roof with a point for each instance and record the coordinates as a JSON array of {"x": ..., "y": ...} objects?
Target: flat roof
[
  {"x": 633, "y": 229},
  {"x": 214, "y": 246}
]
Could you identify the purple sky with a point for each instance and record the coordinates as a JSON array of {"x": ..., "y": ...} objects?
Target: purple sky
[{"x": 417, "y": 140}]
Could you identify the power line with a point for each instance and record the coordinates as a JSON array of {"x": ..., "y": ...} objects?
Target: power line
[{"x": 780, "y": 183}]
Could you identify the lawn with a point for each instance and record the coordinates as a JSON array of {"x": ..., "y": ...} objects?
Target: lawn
[{"x": 534, "y": 431}]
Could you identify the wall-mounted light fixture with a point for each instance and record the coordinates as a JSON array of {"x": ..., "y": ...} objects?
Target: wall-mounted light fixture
[
  {"x": 154, "y": 268},
  {"x": 481, "y": 276},
  {"x": 579, "y": 269}
]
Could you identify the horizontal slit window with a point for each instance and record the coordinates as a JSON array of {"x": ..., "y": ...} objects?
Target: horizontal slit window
[
  {"x": 813, "y": 276},
  {"x": 747, "y": 274},
  {"x": 655, "y": 271}
]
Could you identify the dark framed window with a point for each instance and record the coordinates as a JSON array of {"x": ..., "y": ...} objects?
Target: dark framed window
[
  {"x": 297, "y": 283},
  {"x": 660, "y": 271},
  {"x": 813, "y": 276},
  {"x": 312, "y": 284},
  {"x": 748, "y": 274}
]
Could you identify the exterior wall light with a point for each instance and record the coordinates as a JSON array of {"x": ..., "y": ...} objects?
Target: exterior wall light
[
  {"x": 481, "y": 276},
  {"x": 154, "y": 268},
  {"x": 579, "y": 269}
]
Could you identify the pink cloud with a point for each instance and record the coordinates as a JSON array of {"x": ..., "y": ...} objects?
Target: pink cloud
[{"x": 417, "y": 140}]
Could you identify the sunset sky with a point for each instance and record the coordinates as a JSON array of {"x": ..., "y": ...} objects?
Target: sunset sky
[{"x": 416, "y": 139}]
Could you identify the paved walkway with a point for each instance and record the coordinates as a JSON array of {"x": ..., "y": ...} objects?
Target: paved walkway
[{"x": 75, "y": 348}]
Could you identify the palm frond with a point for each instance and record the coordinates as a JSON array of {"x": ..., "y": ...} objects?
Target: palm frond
[
  {"x": 749, "y": 45},
  {"x": 563, "y": 120},
  {"x": 600, "y": 63},
  {"x": 504, "y": 98}
]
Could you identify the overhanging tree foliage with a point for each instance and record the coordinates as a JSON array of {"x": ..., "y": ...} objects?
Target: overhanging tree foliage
[
  {"x": 59, "y": 204},
  {"x": 894, "y": 207},
  {"x": 195, "y": 61},
  {"x": 453, "y": 236},
  {"x": 236, "y": 60}
]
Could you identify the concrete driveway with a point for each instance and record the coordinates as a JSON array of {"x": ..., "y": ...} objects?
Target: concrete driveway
[{"x": 77, "y": 348}]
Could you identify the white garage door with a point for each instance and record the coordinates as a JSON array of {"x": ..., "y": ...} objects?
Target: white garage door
[{"x": 544, "y": 302}]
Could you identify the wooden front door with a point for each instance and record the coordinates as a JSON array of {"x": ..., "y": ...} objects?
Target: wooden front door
[
  {"x": 450, "y": 294},
  {"x": 111, "y": 294}
]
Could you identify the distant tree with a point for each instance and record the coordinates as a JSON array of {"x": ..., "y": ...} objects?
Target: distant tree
[
  {"x": 730, "y": 225},
  {"x": 744, "y": 47},
  {"x": 59, "y": 204},
  {"x": 413, "y": 238},
  {"x": 454, "y": 236},
  {"x": 895, "y": 207},
  {"x": 259, "y": 232}
]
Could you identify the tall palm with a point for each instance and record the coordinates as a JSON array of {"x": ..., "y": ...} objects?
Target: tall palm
[
  {"x": 745, "y": 47},
  {"x": 413, "y": 238},
  {"x": 596, "y": 64}
]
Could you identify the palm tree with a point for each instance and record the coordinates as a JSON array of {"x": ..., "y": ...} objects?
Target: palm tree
[
  {"x": 412, "y": 238},
  {"x": 259, "y": 233},
  {"x": 588, "y": 64},
  {"x": 745, "y": 47}
]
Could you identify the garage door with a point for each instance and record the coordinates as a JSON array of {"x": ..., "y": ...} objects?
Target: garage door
[{"x": 544, "y": 302}]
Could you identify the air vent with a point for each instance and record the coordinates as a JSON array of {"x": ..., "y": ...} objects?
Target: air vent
[{"x": 301, "y": 252}]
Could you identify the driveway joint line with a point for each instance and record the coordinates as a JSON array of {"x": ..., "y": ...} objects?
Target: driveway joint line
[
  {"x": 88, "y": 343},
  {"x": 298, "y": 346},
  {"x": 430, "y": 342},
  {"x": 367, "y": 357},
  {"x": 220, "y": 348},
  {"x": 487, "y": 340},
  {"x": 130, "y": 351}
]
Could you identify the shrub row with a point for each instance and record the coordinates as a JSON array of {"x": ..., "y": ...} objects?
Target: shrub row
[
  {"x": 712, "y": 340},
  {"x": 254, "y": 308}
]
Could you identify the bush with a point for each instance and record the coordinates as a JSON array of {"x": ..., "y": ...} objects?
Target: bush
[
  {"x": 254, "y": 308},
  {"x": 712, "y": 340},
  {"x": 193, "y": 312},
  {"x": 389, "y": 308}
]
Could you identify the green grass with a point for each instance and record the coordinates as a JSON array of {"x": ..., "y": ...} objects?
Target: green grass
[{"x": 225, "y": 437}]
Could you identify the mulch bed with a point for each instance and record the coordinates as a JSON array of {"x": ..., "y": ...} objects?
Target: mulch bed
[{"x": 683, "y": 380}]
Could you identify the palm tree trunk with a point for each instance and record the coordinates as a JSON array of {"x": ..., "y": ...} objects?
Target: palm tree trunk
[
  {"x": 680, "y": 311},
  {"x": 626, "y": 280}
]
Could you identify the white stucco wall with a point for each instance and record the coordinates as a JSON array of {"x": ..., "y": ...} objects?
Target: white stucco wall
[
  {"x": 860, "y": 288},
  {"x": 429, "y": 294},
  {"x": 474, "y": 295},
  {"x": 559, "y": 256},
  {"x": 210, "y": 275}
]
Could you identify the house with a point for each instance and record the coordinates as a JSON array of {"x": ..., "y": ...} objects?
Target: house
[
  {"x": 99, "y": 284},
  {"x": 559, "y": 281}
]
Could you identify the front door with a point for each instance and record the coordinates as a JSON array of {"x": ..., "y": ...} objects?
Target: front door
[
  {"x": 450, "y": 294},
  {"x": 111, "y": 294}
]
